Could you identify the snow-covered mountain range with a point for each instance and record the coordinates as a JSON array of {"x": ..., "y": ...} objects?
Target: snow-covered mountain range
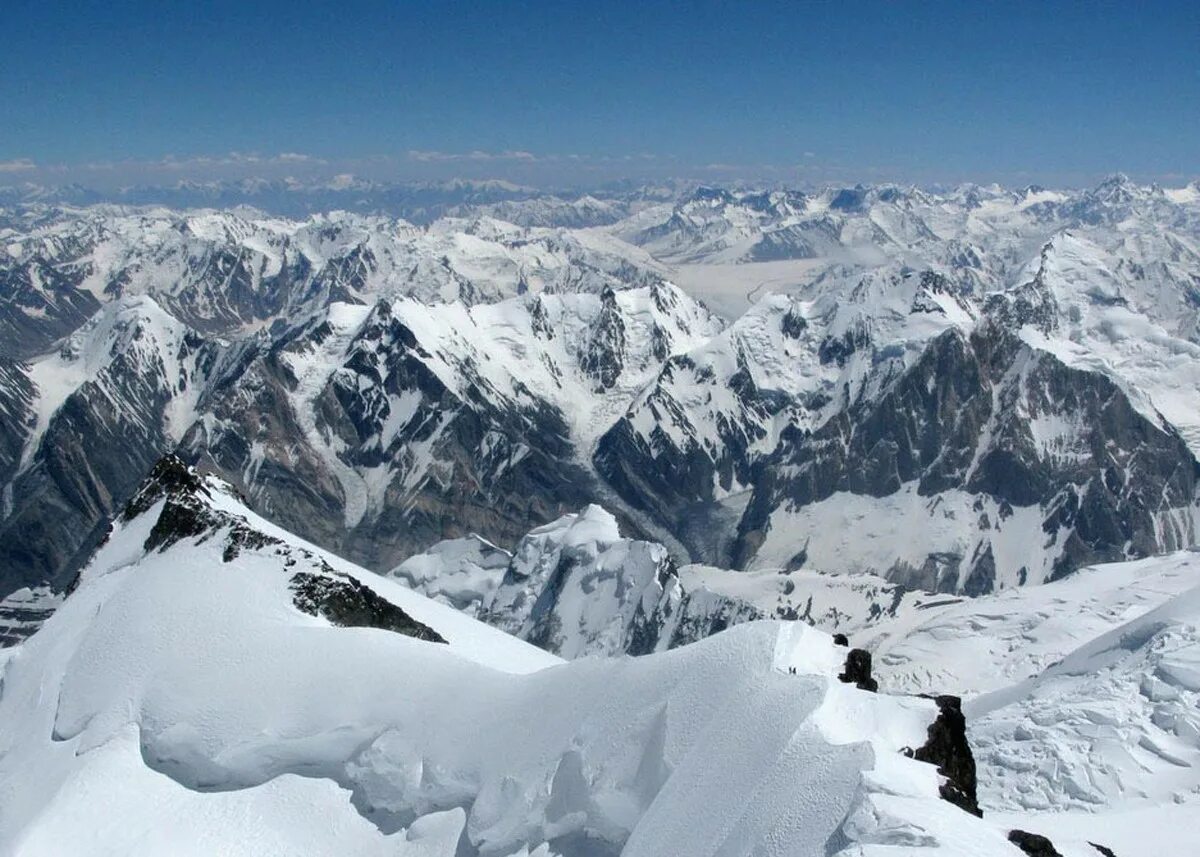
[
  {"x": 963, "y": 392},
  {"x": 214, "y": 683}
]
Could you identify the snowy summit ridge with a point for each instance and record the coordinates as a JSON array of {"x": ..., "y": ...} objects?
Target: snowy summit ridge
[{"x": 186, "y": 668}]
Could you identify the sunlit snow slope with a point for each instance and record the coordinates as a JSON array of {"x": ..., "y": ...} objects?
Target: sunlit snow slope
[{"x": 215, "y": 685}]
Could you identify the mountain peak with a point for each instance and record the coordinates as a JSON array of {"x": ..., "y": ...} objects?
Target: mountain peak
[{"x": 170, "y": 477}]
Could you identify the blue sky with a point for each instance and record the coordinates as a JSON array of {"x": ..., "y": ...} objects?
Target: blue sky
[{"x": 1053, "y": 92}]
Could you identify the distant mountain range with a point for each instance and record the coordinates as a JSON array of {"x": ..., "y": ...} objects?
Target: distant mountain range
[{"x": 961, "y": 392}]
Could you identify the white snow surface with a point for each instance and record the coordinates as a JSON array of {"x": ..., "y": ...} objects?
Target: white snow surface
[
  {"x": 1082, "y": 696},
  {"x": 179, "y": 704}
]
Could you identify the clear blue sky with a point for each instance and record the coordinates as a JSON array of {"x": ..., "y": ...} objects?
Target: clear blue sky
[{"x": 1048, "y": 91}]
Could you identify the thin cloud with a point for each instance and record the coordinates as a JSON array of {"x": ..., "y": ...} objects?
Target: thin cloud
[
  {"x": 176, "y": 163},
  {"x": 18, "y": 165},
  {"x": 433, "y": 156}
]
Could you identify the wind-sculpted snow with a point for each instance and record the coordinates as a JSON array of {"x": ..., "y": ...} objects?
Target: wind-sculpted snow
[
  {"x": 1116, "y": 720},
  {"x": 180, "y": 703},
  {"x": 1080, "y": 693},
  {"x": 1081, "y": 697}
]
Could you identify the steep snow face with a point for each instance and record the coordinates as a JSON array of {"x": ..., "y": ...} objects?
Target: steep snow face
[
  {"x": 217, "y": 707},
  {"x": 687, "y": 446},
  {"x": 1129, "y": 305}
]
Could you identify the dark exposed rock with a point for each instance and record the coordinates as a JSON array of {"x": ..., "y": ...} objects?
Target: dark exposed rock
[
  {"x": 1103, "y": 849},
  {"x": 181, "y": 518},
  {"x": 841, "y": 640},
  {"x": 858, "y": 670},
  {"x": 793, "y": 324},
  {"x": 42, "y": 303},
  {"x": 95, "y": 450},
  {"x": 838, "y": 349},
  {"x": 960, "y": 419},
  {"x": 170, "y": 476},
  {"x": 673, "y": 474},
  {"x": 344, "y": 600},
  {"x": 17, "y": 394},
  {"x": 502, "y": 466},
  {"x": 947, "y": 747},
  {"x": 602, "y": 354},
  {"x": 1033, "y": 844},
  {"x": 244, "y": 538}
]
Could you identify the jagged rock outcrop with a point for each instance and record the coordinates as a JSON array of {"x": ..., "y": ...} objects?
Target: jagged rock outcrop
[
  {"x": 345, "y": 601},
  {"x": 1033, "y": 844},
  {"x": 17, "y": 419},
  {"x": 948, "y": 748},
  {"x": 188, "y": 511},
  {"x": 602, "y": 355},
  {"x": 858, "y": 670}
]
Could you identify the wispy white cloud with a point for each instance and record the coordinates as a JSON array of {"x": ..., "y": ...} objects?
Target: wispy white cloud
[
  {"x": 17, "y": 165},
  {"x": 428, "y": 156},
  {"x": 177, "y": 163}
]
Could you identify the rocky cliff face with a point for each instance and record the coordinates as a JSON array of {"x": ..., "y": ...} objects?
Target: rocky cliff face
[
  {"x": 97, "y": 413},
  {"x": 377, "y": 445},
  {"x": 981, "y": 437}
]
